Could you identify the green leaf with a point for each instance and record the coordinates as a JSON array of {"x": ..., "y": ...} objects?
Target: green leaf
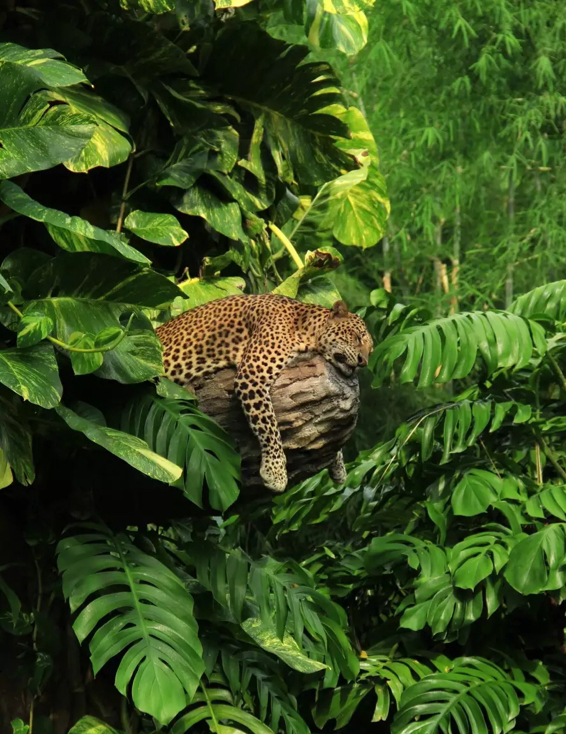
[
  {"x": 44, "y": 63},
  {"x": 268, "y": 78},
  {"x": 286, "y": 649},
  {"x": 131, "y": 449},
  {"x": 92, "y": 725},
  {"x": 162, "y": 229},
  {"x": 220, "y": 4},
  {"x": 84, "y": 362},
  {"x": 32, "y": 373},
  {"x": 149, "y": 6},
  {"x": 106, "y": 148},
  {"x": 475, "y": 492},
  {"x": 203, "y": 290},
  {"x": 189, "y": 438},
  {"x": 16, "y": 438},
  {"x": 95, "y": 293},
  {"x": 546, "y": 300},
  {"x": 18, "y": 727},
  {"x": 6, "y": 476},
  {"x": 353, "y": 208},
  {"x": 340, "y": 704},
  {"x": 537, "y": 562},
  {"x": 448, "y": 348},
  {"x": 220, "y": 712},
  {"x": 97, "y": 277},
  {"x": 223, "y": 216},
  {"x": 209, "y": 149},
  {"x": 346, "y": 32},
  {"x": 152, "y": 620},
  {"x": 34, "y": 133},
  {"x": 475, "y": 696},
  {"x": 33, "y": 327},
  {"x": 70, "y": 233}
]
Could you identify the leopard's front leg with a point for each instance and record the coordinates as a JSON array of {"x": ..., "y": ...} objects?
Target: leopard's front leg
[{"x": 258, "y": 370}]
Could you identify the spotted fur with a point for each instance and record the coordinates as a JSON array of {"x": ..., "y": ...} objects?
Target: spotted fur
[{"x": 259, "y": 335}]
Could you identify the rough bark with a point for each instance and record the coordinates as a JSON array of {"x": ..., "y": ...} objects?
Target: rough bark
[{"x": 316, "y": 408}]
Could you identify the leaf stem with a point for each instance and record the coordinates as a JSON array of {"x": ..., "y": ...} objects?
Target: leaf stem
[
  {"x": 557, "y": 370},
  {"x": 212, "y": 714},
  {"x": 282, "y": 237},
  {"x": 124, "y": 192},
  {"x": 550, "y": 456},
  {"x": 68, "y": 347}
]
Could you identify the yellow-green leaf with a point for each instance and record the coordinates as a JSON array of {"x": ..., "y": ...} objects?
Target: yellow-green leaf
[
  {"x": 286, "y": 649},
  {"x": 161, "y": 229},
  {"x": 131, "y": 449}
]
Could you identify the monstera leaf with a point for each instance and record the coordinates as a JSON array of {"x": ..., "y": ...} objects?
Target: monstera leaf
[
  {"x": 189, "y": 438},
  {"x": 473, "y": 695},
  {"x": 449, "y": 348},
  {"x": 267, "y": 77},
  {"x": 138, "y": 608}
]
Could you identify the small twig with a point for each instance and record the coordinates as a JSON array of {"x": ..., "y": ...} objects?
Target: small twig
[
  {"x": 484, "y": 447},
  {"x": 282, "y": 237},
  {"x": 557, "y": 370},
  {"x": 124, "y": 192},
  {"x": 551, "y": 457},
  {"x": 538, "y": 464}
]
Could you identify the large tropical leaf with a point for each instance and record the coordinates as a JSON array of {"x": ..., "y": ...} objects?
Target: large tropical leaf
[
  {"x": 326, "y": 28},
  {"x": 237, "y": 719},
  {"x": 130, "y": 448},
  {"x": 35, "y": 133},
  {"x": 90, "y": 297},
  {"x": 277, "y": 705},
  {"x": 448, "y": 348},
  {"x": 134, "y": 605},
  {"x": 182, "y": 433},
  {"x": 537, "y": 561},
  {"x": 45, "y": 63},
  {"x": 454, "y": 427},
  {"x": 271, "y": 79},
  {"x": 32, "y": 373},
  {"x": 281, "y": 603},
  {"x": 162, "y": 229},
  {"x": 547, "y": 300},
  {"x": 474, "y": 695},
  {"x": 70, "y": 233},
  {"x": 16, "y": 438}
]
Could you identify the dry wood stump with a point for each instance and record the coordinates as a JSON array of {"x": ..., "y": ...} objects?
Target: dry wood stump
[{"x": 316, "y": 408}]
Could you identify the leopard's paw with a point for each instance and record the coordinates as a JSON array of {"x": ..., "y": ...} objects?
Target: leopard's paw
[{"x": 273, "y": 471}]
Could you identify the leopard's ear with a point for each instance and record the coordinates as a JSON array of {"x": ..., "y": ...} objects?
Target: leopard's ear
[{"x": 339, "y": 310}]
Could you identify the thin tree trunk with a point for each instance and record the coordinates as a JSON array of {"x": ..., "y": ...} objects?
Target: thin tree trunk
[
  {"x": 386, "y": 265},
  {"x": 456, "y": 258},
  {"x": 511, "y": 221}
]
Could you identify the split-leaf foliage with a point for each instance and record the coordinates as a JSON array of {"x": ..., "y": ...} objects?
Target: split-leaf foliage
[{"x": 157, "y": 154}]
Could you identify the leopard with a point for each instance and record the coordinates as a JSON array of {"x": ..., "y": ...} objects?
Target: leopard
[{"x": 259, "y": 335}]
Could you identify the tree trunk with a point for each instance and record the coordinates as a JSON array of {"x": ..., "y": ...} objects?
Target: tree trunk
[{"x": 316, "y": 408}]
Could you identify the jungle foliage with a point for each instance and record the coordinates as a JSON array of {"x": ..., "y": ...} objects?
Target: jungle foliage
[{"x": 220, "y": 152}]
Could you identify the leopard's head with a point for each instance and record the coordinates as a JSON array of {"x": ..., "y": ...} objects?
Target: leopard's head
[{"x": 345, "y": 340}]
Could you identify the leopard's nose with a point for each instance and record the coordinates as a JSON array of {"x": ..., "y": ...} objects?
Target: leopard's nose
[{"x": 362, "y": 361}]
